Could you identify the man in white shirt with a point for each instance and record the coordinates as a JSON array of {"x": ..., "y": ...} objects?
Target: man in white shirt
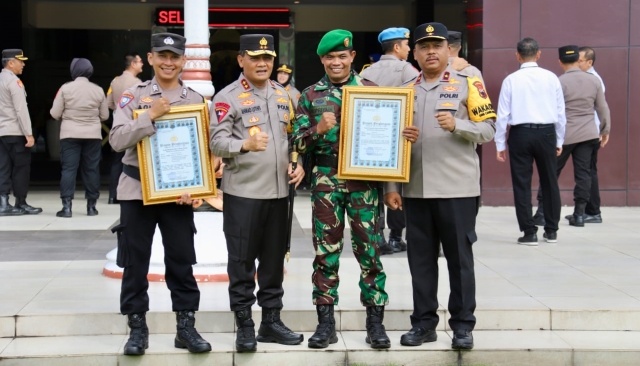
[{"x": 532, "y": 102}]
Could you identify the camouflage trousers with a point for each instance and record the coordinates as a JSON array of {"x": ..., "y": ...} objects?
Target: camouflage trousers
[{"x": 328, "y": 238}]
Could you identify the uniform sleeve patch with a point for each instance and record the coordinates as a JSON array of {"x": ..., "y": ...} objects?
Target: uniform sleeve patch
[
  {"x": 478, "y": 104},
  {"x": 221, "y": 110},
  {"x": 20, "y": 83},
  {"x": 125, "y": 99}
]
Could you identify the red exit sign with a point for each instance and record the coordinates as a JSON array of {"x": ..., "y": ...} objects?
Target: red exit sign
[{"x": 231, "y": 17}]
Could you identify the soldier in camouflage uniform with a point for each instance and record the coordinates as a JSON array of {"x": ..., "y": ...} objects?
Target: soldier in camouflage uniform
[{"x": 316, "y": 132}]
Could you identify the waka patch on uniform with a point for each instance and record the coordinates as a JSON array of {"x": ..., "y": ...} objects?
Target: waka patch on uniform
[
  {"x": 221, "y": 110},
  {"x": 146, "y": 100},
  {"x": 125, "y": 99}
]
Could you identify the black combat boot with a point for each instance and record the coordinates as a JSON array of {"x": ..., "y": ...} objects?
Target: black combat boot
[
  {"x": 139, "y": 335},
  {"x": 578, "y": 214},
  {"x": 91, "y": 208},
  {"x": 273, "y": 330},
  {"x": 246, "y": 333},
  {"x": 376, "y": 335},
  {"x": 326, "y": 330},
  {"x": 187, "y": 336},
  {"x": 66, "y": 208},
  {"x": 21, "y": 202},
  {"x": 6, "y": 209},
  {"x": 462, "y": 339}
]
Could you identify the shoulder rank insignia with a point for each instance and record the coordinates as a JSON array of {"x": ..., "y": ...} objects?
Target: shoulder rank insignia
[
  {"x": 245, "y": 84},
  {"x": 446, "y": 76}
]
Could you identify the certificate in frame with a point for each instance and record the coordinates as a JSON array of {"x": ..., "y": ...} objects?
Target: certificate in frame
[
  {"x": 371, "y": 143},
  {"x": 176, "y": 159}
]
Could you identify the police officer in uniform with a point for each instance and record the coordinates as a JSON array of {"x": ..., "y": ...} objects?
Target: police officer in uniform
[
  {"x": 316, "y": 131},
  {"x": 15, "y": 136},
  {"x": 249, "y": 131},
  {"x": 283, "y": 77},
  {"x": 133, "y": 67},
  {"x": 392, "y": 70},
  {"x": 455, "y": 45},
  {"x": 138, "y": 222},
  {"x": 453, "y": 114}
]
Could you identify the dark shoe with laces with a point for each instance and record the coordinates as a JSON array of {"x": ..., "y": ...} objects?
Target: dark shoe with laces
[
  {"x": 417, "y": 336},
  {"x": 376, "y": 334},
  {"x": 273, "y": 330},
  {"x": 187, "y": 336},
  {"x": 245, "y": 333},
  {"x": 138, "y": 337},
  {"x": 326, "y": 330},
  {"x": 462, "y": 339},
  {"x": 531, "y": 240}
]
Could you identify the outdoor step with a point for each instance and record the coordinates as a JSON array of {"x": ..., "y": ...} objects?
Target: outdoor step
[
  {"x": 51, "y": 325},
  {"x": 491, "y": 347}
]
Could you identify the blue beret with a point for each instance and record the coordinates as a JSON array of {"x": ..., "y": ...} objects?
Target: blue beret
[{"x": 393, "y": 33}]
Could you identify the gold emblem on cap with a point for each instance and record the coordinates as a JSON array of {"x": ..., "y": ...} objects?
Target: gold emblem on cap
[
  {"x": 430, "y": 29},
  {"x": 570, "y": 52},
  {"x": 406, "y": 34},
  {"x": 263, "y": 43},
  {"x": 346, "y": 42}
]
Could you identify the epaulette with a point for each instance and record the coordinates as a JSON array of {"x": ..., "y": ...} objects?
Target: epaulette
[{"x": 144, "y": 83}]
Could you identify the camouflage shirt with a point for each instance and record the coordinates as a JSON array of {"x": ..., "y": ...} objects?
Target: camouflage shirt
[{"x": 319, "y": 98}]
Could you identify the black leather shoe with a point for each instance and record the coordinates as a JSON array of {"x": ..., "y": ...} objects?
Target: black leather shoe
[
  {"x": 568, "y": 217},
  {"x": 577, "y": 220},
  {"x": 397, "y": 244},
  {"x": 462, "y": 339},
  {"x": 113, "y": 201},
  {"x": 138, "y": 337},
  {"x": 538, "y": 219},
  {"x": 91, "y": 208},
  {"x": 21, "y": 203},
  {"x": 6, "y": 209},
  {"x": 246, "y": 333},
  {"x": 66, "y": 208},
  {"x": 273, "y": 330},
  {"x": 550, "y": 237},
  {"x": 528, "y": 240},
  {"x": 417, "y": 336},
  {"x": 593, "y": 219},
  {"x": 376, "y": 334},
  {"x": 326, "y": 330},
  {"x": 385, "y": 248},
  {"x": 187, "y": 336}
]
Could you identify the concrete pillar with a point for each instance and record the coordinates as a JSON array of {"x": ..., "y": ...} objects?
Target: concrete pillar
[{"x": 197, "y": 71}]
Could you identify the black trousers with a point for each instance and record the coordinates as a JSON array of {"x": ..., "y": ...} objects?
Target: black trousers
[
  {"x": 15, "y": 166},
  {"x": 593, "y": 207},
  {"x": 116, "y": 171},
  {"x": 76, "y": 152},
  {"x": 450, "y": 221},
  {"x": 527, "y": 145},
  {"x": 135, "y": 236},
  {"x": 582, "y": 156},
  {"x": 255, "y": 229},
  {"x": 396, "y": 222}
]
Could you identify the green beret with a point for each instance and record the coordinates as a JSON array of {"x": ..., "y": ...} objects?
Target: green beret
[{"x": 335, "y": 40}]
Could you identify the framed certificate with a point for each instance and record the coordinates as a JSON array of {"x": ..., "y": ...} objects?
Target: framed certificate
[
  {"x": 371, "y": 142},
  {"x": 176, "y": 159}
]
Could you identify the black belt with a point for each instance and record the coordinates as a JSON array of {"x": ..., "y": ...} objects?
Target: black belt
[
  {"x": 534, "y": 125},
  {"x": 330, "y": 161},
  {"x": 132, "y": 171}
]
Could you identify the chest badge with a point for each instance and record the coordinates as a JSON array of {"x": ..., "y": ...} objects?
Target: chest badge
[
  {"x": 253, "y": 130},
  {"x": 254, "y": 119},
  {"x": 278, "y": 92},
  {"x": 282, "y": 100},
  {"x": 454, "y": 81},
  {"x": 146, "y": 100},
  {"x": 449, "y": 88},
  {"x": 244, "y": 95},
  {"x": 248, "y": 102}
]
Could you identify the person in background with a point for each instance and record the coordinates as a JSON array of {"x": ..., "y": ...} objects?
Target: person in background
[
  {"x": 81, "y": 106},
  {"x": 284, "y": 76}
]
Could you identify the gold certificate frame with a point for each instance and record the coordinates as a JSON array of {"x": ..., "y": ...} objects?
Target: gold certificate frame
[
  {"x": 371, "y": 143},
  {"x": 176, "y": 159}
]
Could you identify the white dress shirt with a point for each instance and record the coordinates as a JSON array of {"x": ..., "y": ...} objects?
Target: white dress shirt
[
  {"x": 530, "y": 95},
  {"x": 593, "y": 72}
]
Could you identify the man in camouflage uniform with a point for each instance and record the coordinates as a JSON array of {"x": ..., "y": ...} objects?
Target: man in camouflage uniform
[{"x": 316, "y": 132}]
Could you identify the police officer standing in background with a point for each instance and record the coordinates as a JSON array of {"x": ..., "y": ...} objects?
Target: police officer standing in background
[
  {"x": 138, "y": 222},
  {"x": 16, "y": 137},
  {"x": 392, "y": 70},
  {"x": 317, "y": 131},
  {"x": 452, "y": 114},
  {"x": 250, "y": 134},
  {"x": 133, "y": 67},
  {"x": 583, "y": 93},
  {"x": 283, "y": 77}
]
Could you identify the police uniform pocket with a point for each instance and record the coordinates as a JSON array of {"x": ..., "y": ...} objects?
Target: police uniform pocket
[
  {"x": 471, "y": 235},
  {"x": 446, "y": 105},
  {"x": 123, "y": 258},
  {"x": 284, "y": 118},
  {"x": 237, "y": 241},
  {"x": 253, "y": 123}
]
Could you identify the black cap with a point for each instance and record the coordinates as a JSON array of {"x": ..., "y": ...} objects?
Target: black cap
[
  {"x": 569, "y": 54},
  {"x": 257, "y": 44},
  {"x": 168, "y": 42},
  {"x": 13, "y": 53},
  {"x": 430, "y": 31},
  {"x": 455, "y": 37},
  {"x": 285, "y": 68}
]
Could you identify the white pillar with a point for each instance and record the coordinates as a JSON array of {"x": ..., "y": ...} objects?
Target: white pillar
[
  {"x": 210, "y": 243},
  {"x": 197, "y": 71}
]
